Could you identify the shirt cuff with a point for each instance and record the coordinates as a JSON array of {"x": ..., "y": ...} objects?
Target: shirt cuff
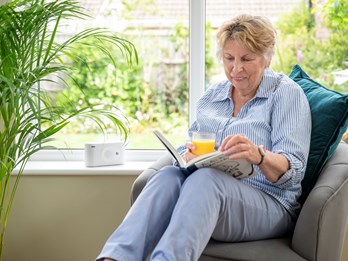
[
  {"x": 285, "y": 180},
  {"x": 294, "y": 175}
]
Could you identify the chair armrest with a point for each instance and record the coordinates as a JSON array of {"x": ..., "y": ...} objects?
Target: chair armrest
[
  {"x": 141, "y": 180},
  {"x": 320, "y": 230}
]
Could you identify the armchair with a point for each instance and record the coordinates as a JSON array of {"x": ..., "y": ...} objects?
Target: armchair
[{"x": 320, "y": 229}]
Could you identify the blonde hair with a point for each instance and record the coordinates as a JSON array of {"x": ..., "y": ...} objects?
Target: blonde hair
[{"x": 256, "y": 33}]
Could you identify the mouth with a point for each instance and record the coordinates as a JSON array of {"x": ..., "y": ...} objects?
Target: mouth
[{"x": 238, "y": 79}]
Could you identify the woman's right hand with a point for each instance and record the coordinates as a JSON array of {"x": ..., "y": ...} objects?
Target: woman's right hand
[{"x": 188, "y": 155}]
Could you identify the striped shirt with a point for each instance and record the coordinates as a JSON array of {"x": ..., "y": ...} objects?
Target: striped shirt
[{"x": 278, "y": 117}]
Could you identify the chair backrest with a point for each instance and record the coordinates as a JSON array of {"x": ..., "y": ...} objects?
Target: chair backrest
[{"x": 321, "y": 227}]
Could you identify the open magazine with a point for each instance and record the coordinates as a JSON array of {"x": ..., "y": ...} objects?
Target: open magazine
[{"x": 237, "y": 168}]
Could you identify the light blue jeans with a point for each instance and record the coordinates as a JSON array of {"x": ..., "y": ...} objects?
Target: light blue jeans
[{"x": 174, "y": 217}]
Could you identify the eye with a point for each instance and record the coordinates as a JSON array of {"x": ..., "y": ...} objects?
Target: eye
[
  {"x": 228, "y": 58},
  {"x": 247, "y": 59}
]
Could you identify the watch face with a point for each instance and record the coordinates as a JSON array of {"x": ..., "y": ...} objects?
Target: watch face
[{"x": 262, "y": 150}]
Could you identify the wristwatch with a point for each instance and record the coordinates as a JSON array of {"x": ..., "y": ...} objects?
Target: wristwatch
[{"x": 262, "y": 152}]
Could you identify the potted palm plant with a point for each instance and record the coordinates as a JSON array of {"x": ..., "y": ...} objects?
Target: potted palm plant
[{"x": 29, "y": 56}]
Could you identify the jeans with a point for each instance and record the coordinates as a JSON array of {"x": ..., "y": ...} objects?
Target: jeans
[{"x": 174, "y": 217}]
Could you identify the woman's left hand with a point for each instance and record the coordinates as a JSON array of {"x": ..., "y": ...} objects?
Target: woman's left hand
[{"x": 240, "y": 147}]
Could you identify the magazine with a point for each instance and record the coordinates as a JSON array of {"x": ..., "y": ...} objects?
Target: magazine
[{"x": 237, "y": 168}]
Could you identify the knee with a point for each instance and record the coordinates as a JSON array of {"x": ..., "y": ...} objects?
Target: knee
[
  {"x": 207, "y": 179},
  {"x": 167, "y": 175}
]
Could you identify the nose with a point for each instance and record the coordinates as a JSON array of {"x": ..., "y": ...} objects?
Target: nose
[{"x": 237, "y": 67}]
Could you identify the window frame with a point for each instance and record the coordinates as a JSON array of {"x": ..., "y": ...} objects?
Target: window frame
[{"x": 197, "y": 9}]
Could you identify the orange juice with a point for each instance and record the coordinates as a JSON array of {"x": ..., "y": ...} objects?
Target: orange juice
[{"x": 203, "y": 146}]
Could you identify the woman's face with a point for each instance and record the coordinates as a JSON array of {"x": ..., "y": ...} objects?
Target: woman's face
[{"x": 242, "y": 67}]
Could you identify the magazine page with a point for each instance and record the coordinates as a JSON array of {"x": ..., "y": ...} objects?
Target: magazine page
[{"x": 237, "y": 168}]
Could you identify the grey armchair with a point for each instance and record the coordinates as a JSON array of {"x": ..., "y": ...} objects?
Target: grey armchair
[{"x": 320, "y": 229}]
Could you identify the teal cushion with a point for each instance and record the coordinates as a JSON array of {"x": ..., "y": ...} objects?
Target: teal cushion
[{"x": 329, "y": 122}]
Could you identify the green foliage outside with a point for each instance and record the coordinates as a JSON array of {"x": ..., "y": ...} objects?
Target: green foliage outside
[
  {"x": 128, "y": 88},
  {"x": 298, "y": 43},
  {"x": 155, "y": 94},
  {"x": 157, "y": 100}
]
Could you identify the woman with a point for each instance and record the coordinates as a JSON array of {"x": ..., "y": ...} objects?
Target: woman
[{"x": 174, "y": 217}]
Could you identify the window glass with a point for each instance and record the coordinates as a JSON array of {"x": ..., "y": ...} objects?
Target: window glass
[
  {"x": 309, "y": 33},
  {"x": 220, "y": 11},
  {"x": 152, "y": 94}
]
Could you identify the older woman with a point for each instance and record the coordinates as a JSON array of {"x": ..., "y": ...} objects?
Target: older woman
[{"x": 175, "y": 216}]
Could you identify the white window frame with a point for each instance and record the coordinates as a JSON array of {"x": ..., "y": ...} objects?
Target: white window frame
[
  {"x": 197, "y": 55},
  {"x": 196, "y": 89}
]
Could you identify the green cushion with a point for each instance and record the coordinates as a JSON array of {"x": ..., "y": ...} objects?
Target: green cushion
[{"x": 329, "y": 122}]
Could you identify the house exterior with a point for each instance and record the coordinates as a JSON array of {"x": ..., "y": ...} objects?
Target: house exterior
[
  {"x": 170, "y": 11},
  {"x": 153, "y": 21}
]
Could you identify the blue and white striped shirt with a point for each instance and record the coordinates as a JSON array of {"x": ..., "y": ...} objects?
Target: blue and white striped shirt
[{"x": 278, "y": 117}]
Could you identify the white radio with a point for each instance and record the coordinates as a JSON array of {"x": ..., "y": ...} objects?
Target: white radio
[{"x": 104, "y": 153}]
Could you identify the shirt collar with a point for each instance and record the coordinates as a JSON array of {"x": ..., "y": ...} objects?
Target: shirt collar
[
  {"x": 269, "y": 82},
  {"x": 224, "y": 90}
]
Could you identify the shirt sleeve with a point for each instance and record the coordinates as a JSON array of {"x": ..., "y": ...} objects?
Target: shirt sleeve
[{"x": 291, "y": 123}]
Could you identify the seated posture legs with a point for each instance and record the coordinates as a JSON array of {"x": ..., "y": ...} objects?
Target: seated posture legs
[{"x": 174, "y": 217}]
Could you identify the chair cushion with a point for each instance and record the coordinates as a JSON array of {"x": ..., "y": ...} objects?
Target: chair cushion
[
  {"x": 329, "y": 111},
  {"x": 261, "y": 250}
]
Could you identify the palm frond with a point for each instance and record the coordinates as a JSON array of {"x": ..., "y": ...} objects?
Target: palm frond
[{"x": 29, "y": 55}]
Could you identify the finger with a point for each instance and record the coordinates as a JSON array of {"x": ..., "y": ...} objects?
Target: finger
[
  {"x": 188, "y": 156},
  {"x": 237, "y": 144},
  {"x": 237, "y": 148},
  {"x": 223, "y": 145},
  {"x": 190, "y": 146},
  {"x": 240, "y": 155},
  {"x": 230, "y": 142},
  {"x": 248, "y": 151},
  {"x": 240, "y": 138}
]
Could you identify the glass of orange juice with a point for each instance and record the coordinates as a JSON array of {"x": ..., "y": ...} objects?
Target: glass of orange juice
[{"x": 204, "y": 142}]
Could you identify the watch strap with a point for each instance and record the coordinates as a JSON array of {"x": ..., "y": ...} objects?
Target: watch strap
[{"x": 262, "y": 152}]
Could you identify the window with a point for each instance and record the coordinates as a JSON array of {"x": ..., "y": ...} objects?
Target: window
[
  {"x": 152, "y": 94},
  {"x": 218, "y": 12},
  {"x": 176, "y": 45}
]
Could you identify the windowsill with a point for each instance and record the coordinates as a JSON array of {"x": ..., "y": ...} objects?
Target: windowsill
[
  {"x": 79, "y": 168},
  {"x": 71, "y": 162}
]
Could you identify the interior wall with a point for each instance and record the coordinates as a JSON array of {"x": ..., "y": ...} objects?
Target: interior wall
[
  {"x": 345, "y": 248},
  {"x": 65, "y": 217}
]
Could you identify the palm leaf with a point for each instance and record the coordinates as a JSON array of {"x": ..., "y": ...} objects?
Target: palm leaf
[{"x": 29, "y": 55}]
